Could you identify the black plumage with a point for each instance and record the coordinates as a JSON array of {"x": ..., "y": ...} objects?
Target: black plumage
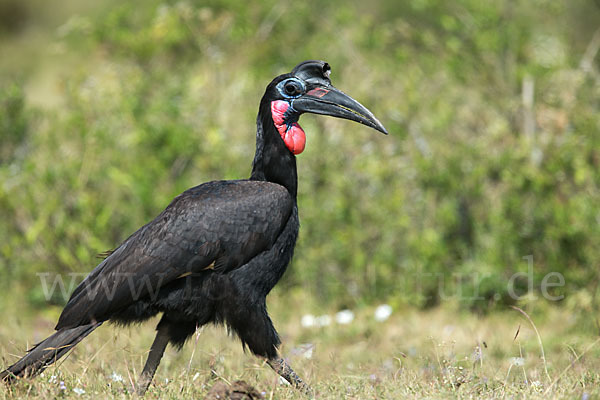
[{"x": 215, "y": 252}]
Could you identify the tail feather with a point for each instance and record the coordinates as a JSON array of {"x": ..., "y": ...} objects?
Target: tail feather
[{"x": 47, "y": 352}]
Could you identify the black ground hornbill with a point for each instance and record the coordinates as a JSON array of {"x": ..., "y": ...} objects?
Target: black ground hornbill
[{"x": 216, "y": 251}]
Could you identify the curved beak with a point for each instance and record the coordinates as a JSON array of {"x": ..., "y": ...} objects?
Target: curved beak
[{"x": 327, "y": 100}]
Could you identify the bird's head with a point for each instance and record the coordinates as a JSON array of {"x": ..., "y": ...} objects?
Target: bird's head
[{"x": 308, "y": 89}]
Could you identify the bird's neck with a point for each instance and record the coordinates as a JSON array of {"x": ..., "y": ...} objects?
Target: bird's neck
[{"x": 273, "y": 161}]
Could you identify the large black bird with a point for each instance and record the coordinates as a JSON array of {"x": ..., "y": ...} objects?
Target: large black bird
[{"x": 216, "y": 251}]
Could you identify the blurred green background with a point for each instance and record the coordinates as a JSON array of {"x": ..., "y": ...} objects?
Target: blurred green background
[{"x": 110, "y": 109}]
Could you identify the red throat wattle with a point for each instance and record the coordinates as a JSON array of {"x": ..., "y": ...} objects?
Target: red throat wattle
[{"x": 293, "y": 136}]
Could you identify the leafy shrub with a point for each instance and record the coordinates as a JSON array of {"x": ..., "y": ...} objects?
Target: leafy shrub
[{"x": 162, "y": 96}]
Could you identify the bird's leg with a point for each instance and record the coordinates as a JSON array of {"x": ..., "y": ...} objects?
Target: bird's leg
[
  {"x": 286, "y": 372},
  {"x": 156, "y": 352}
]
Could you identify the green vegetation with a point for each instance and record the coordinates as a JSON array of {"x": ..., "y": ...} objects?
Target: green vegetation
[
  {"x": 122, "y": 107},
  {"x": 109, "y": 110}
]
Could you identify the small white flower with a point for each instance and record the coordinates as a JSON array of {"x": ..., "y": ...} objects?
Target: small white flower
[
  {"x": 52, "y": 379},
  {"x": 344, "y": 317},
  {"x": 116, "y": 377},
  {"x": 517, "y": 361},
  {"x": 79, "y": 391},
  {"x": 307, "y": 320},
  {"x": 323, "y": 320},
  {"x": 383, "y": 312}
]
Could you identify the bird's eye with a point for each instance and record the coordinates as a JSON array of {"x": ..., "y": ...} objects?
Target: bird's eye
[{"x": 291, "y": 88}]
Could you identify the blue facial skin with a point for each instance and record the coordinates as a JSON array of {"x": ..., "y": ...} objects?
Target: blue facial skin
[
  {"x": 298, "y": 83},
  {"x": 291, "y": 115}
]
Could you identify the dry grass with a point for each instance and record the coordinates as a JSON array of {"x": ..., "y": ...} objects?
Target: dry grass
[{"x": 433, "y": 354}]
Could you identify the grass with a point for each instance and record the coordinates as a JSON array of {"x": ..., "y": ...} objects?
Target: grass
[{"x": 414, "y": 354}]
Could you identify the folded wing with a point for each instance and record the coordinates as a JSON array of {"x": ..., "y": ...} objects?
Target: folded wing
[{"x": 219, "y": 225}]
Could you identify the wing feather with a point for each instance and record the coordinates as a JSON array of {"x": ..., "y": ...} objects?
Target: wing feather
[{"x": 219, "y": 225}]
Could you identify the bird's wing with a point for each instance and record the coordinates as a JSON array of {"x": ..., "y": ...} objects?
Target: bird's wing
[{"x": 219, "y": 225}]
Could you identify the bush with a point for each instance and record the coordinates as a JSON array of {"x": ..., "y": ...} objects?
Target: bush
[{"x": 161, "y": 96}]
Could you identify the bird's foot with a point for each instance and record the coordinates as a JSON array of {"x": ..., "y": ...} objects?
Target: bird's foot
[{"x": 142, "y": 384}]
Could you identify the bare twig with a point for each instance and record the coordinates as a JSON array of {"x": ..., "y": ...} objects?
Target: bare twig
[
  {"x": 539, "y": 339},
  {"x": 586, "y": 63},
  {"x": 265, "y": 28},
  {"x": 196, "y": 338},
  {"x": 523, "y": 366},
  {"x": 87, "y": 364},
  {"x": 527, "y": 96}
]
